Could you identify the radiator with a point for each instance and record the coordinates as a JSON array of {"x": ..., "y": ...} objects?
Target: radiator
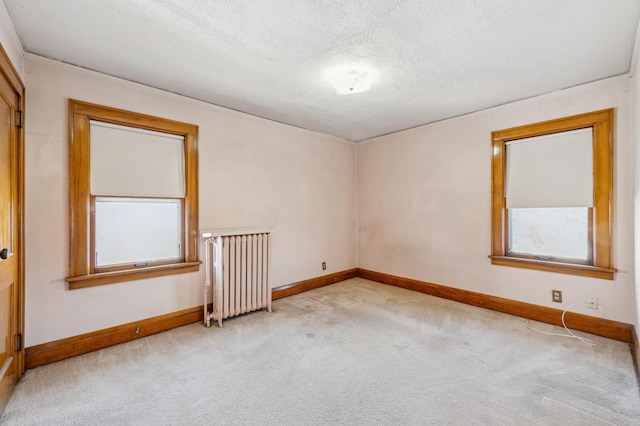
[{"x": 239, "y": 263}]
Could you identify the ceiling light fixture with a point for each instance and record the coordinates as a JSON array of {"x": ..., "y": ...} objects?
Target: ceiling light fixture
[{"x": 349, "y": 79}]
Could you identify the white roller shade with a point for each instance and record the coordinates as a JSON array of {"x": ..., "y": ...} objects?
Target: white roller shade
[
  {"x": 551, "y": 171},
  {"x": 126, "y": 161}
]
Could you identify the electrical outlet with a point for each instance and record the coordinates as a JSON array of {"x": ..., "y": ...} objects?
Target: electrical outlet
[
  {"x": 324, "y": 265},
  {"x": 592, "y": 302},
  {"x": 556, "y": 296}
]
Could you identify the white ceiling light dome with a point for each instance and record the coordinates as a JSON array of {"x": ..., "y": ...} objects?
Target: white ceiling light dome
[{"x": 349, "y": 79}]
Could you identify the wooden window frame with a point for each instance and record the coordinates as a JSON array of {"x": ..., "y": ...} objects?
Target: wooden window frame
[
  {"x": 602, "y": 219},
  {"x": 81, "y": 269}
]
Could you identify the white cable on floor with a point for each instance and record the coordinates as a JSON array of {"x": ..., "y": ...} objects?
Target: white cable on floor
[{"x": 590, "y": 342}]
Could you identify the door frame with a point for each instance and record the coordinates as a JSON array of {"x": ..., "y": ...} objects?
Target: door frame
[{"x": 10, "y": 73}]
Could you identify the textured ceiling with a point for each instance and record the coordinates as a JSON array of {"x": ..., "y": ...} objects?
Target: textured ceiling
[{"x": 432, "y": 59}]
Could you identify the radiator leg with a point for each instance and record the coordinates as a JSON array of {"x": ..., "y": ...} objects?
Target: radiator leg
[
  {"x": 207, "y": 321},
  {"x": 206, "y": 318}
]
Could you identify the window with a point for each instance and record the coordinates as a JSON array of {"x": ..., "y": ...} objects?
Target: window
[
  {"x": 551, "y": 233},
  {"x": 133, "y": 196},
  {"x": 135, "y": 232},
  {"x": 552, "y": 195}
]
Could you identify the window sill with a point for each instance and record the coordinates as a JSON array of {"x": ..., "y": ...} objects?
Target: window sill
[
  {"x": 103, "y": 278},
  {"x": 562, "y": 268}
]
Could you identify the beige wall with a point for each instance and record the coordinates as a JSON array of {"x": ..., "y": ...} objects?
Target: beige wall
[
  {"x": 253, "y": 173},
  {"x": 9, "y": 40},
  {"x": 424, "y": 203}
]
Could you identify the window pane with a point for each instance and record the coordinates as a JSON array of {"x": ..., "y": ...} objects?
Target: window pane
[
  {"x": 129, "y": 230},
  {"x": 550, "y": 232}
]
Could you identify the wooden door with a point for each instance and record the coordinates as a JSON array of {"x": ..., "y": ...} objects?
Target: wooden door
[{"x": 11, "y": 361}]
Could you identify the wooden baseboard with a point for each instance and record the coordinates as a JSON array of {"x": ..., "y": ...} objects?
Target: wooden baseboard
[
  {"x": 47, "y": 353},
  {"x": 598, "y": 326},
  {"x": 635, "y": 353},
  {"x": 313, "y": 283}
]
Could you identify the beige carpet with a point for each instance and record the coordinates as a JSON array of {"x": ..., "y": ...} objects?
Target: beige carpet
[{"x": 356, "y": 352}]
